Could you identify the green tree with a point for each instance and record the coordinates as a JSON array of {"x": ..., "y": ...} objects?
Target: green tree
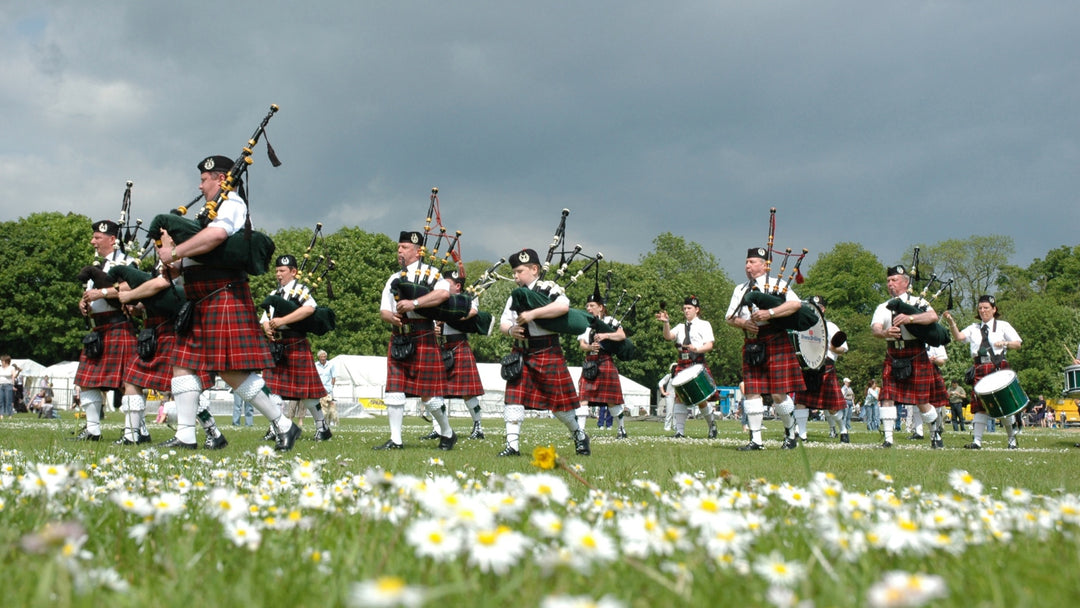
[
  {"x": 39, "y": 258},
  {"x": 973, "y": 263},
  {"x": 849, "y": 277}
]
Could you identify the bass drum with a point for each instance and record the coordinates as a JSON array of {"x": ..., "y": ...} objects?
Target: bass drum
[{"x": 812, "y": 344}]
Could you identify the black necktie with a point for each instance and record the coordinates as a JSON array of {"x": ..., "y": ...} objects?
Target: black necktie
[
  {"x": 984, "y": 346},
  {"x": 686, "y": 334}
]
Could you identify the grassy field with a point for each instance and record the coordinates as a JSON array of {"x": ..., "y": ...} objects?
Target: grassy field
[{"x": 645, "y": 521}]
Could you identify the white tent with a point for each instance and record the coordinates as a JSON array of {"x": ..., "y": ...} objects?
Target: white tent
[
  {"x": 31, "y": 373},
  {"x": 62, "y": 376},
  {"x": 361, "y": 381}
]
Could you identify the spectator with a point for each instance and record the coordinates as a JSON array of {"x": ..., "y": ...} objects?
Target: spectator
[
  {"x": 242, "y": 409},
  {"x": 871, "y": 408},
  {"x": 957, "y": 397},
  {"x": 8, "y": 371}
]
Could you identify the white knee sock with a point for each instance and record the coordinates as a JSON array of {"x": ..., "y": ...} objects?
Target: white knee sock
[
  {"x": 513, "y": 415},
  {"x": 91, "y": 404},
  {"x": 313, "y": 406},
  {"x": 888, "y": 421},
  {"x": 473, "y": 405},
  {"x": 251, "y": 390},
  {"x": 682, "y": 412},
  {"x": 802, "y": 416},
  {"x": 185, "y": 390},
  {"x": 979, "y": 423},
  {"x": 755, "y": 413},
  {"x": 436, "y": 407},
  {"x": 784, "y": 409},
  {"x": 395, "y": 414}
]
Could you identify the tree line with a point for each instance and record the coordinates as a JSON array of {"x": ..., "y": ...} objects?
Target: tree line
[{"x": 41, "y": 254}]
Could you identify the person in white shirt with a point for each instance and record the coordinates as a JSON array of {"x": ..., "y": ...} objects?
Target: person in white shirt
[
  {"x": 989, "y": 338},
  {"x": 693, "y": 338}
]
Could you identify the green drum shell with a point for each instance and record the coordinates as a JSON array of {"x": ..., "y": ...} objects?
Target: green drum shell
[
  {"x": 1072, "y": 378},
  {"x": 693, "y": 384},
  {"x": 1001, "y": 394}
]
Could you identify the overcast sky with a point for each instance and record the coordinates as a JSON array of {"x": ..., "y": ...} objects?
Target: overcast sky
[{"x": 885, "y": 123}]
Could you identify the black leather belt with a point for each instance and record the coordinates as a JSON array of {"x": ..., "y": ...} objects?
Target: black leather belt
[
  {"x": 417, "y": 325},
  {"x": 455, "y": 338},
  {"x": 987, "y": 359},
  {"x": 542, "y": 342},
  {"x": 900, "y": 344},
  {"x": 105, "y": 318},
  {"x": 292, "y": 333}
]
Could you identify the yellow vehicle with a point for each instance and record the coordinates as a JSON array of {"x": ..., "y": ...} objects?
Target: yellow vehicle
[{"x": 1066, "y": 411}]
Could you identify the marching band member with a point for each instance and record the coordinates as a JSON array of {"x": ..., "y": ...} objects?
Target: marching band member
[
  {"x": 823, "y": 392},
  {"x": 989, "y": 339},
  {"x": 463, "y": 378},
  {"x": 939, "y": 398},
  {"x": 605, "y": 386},
  {"x": 909, "y": 377},
  {"x": 96, "y": 375},
  {"x": 224, "y": 335},
  {"x": 422, "y": 373},
  {"x": 294, "y": 378},
  {"x": 693, "y": 339},
  {"x": 544, "y": 381},
  {"x": 780, "y": 373}
]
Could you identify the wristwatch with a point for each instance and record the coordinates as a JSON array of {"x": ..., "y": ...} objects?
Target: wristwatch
[{"x": 416, "y": 304}]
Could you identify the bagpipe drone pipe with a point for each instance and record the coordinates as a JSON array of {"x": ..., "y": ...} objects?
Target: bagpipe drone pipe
[
  {"x": 246, "y": 250},
  {"x": 934, "y": 334},
  {"x": 804, "y": 319}
]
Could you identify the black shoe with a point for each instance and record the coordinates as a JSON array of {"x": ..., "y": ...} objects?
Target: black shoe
[
  {"x": 1013, "y": 445},
  {"x": 712, "y": 432},
  {"x": 972, "y": 446},
  {"x": 286, "y": 441},
  {"x": 270, "y": 434},
  {"x": 916, "y": 437},
  {"x": 887, "y": 444},
  {"x": 323, "y": 434},
  {"x": 680, "y": 436},
  {"x": 581, "y": 446},
  {"x": 789, "y": 444},
  {"x": 215, "y": 443},
  {"x": 176, "y": 443},
  {"x": 389, "y": 445},
  {"x": 622, "y": 434},
  {"x": 750, "y": 447},
  {"x": 144, "y": 438},
  {"x": 509, "y": 451},
  {"x": 447, "y": 443},
  {"x": 85, "y": 435},
  {"x": 845, "y": 438},
  {"x": 431, "y": 435},
  {"x": 477, "y": 432}
]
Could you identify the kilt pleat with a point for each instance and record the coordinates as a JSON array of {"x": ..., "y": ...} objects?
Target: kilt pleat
[
  {"x": 828, "y": 396},
  {"x": 157, "y": 373},
  {"x": 606, "y": 387},
  {"x": 545, "y": 382},
  {"x": 295, "y": 377},
  {"x": 464, "y": 379},
  {"x": 423, "y": 375},
  {"x": 225, "y": 334},
  {"x": 108, "y": 370},
  {"x": 917, "y": 389},
  {"x": 781, "y": 372}
]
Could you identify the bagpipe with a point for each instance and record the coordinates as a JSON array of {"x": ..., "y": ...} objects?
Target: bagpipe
[
  {"x": 285, "y": 300},
  {"x": 775, "y": 293},
  {"x": 934, "y": 334},
  {"x": 543, "y": 292},
  {"x": 410, "y": 285},
  {"x": 624, "y": 349},
  {"x": 128, "y": 238},
  {"x": 247, "y": 250},
  {"x": 165, "y": 303}
]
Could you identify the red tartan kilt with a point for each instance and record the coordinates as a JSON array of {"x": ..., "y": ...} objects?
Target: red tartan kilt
[
  {"x": 780, "y": 374},
  {"x": 463, "y": 380},
  {"x": 940, "y": 395},
  {"x": 828, "y": 395},
  {"x": 108, "y": 370},
  {"x": 423, "y": 375},
  {"x": 225, "y": 334},
  {"x": 607, "y": 387},
  {"x": 917, "y": 389},
  {"x": 296, "y": 377},
  {"x": 157, "y": 373},
  {"x": 545, "y": 382},
  {"x": 983, "y": 370}
]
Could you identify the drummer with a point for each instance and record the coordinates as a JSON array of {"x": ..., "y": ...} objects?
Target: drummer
[
  {"x": 780, "y": 374},
  {"x": 988, "y": 338},
  {"x": 823, "y": 391},
  {"x": 693, "y": 338}
]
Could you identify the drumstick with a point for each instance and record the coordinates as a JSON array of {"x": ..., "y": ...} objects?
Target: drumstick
[{"x": 1072, "y": 356}]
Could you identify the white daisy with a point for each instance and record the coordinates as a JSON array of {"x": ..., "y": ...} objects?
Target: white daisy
[
  {"x": 433, "y": 538},
  {"x": 385, "y": 592},
  {"x": 964, "y": 483},
  {"x": 496, "y": 550},
  {"x": 579, "y": 601},
  {"x": 898, "y": 588},
  {"x": 778, "y": 571},
  {"x": 243, "y": 534}
]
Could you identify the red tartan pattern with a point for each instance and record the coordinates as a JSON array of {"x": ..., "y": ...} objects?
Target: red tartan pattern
[
  {"x": 424, "y": 374},
  {"x": 108, "y": 370},
  {"x": 780, "y": 374},
  {"x": 606, "y": 387},
  {"x": 939, "y": 397},
  {"x": 464, "y": 379},
  {"x": 983, "y": 370},
  {"x": 225, "y": 334},
  {"x": 157, "y": 373},
  {"x": 296, "y": 377},
  {"x": 545, "y": 382},
  {"x": 828, "y": 395},
  {"x": 917, "y": 389}
]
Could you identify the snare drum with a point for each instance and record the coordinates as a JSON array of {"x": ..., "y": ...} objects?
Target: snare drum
[
  {"x": 693, "y": 384},
  {"x": 811, "y": 345},
  {"x": 1072, "y": 379},
  {"x": 1001, "y": 394}
]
